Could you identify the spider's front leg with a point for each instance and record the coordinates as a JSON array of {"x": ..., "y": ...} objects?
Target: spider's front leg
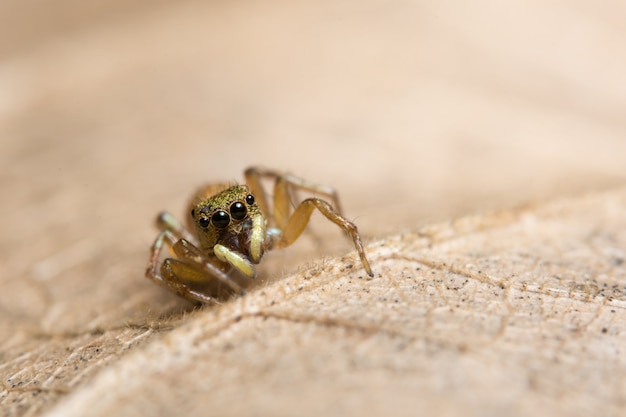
[
  {"x": 300, "y": 218},
  {"x": 290, "y": 226},
  {"x": 285, "y": 187},
  {"x": 190, "y": 265}
]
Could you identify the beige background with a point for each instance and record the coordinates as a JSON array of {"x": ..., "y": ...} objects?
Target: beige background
[{"x": 419, "y": 113}]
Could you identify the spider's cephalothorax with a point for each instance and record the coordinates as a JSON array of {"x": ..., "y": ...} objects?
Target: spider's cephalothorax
[
  {"x": 230, "y": 231},
  {"x": 230, "y": 226}
]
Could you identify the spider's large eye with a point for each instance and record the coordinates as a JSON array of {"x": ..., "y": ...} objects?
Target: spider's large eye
[
  {"x": 250, "y": 199},
  {"x": 204, "y": 222},
  {"x": 238, "y": 210},
  {"x": 220, "y": 219}
]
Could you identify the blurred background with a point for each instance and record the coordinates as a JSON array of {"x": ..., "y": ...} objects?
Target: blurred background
[{"x": 416, "y": 111}]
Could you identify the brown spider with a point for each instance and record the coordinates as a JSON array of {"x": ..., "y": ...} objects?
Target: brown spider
[{"x": 231, "y": 232}]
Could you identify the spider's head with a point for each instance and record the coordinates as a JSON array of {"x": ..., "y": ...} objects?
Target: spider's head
[{"x": 230, "y": 217}]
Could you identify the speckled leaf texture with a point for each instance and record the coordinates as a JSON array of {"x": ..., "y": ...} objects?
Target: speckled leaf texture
[{"x": 479, "y": 147}]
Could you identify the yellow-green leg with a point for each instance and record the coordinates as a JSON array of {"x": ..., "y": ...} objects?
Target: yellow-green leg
[
  {"x": 191, "y": 265},
  {"x": 300, "y": 218},
  {"x": 285, "y": 190}
]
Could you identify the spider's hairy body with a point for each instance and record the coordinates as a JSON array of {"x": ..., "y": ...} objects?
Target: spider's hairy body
[
  {"x": 246, "y": 236},
  {"x": 227, "y": 229}
]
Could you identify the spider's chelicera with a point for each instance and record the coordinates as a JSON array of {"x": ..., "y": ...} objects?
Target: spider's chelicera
[{"x": 228, "y": 230}]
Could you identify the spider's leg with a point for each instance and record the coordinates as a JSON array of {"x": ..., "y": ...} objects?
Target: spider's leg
[
  {"x": 173, "y": 275},
  {"x": 165, "y": 236},
  {"x": 291, "y": 183},
  {"x": 163, "y": 277},
  {"x": 253, "y": 177},
  {"x": 289, "y": 226},
  {"x": 285, "y": 189},
  {"x": 191, "y": 266},
  {"x": 165, "y": 221},
  {"x": 300, "y": 218},
  {"x": 189, "y": 253}
]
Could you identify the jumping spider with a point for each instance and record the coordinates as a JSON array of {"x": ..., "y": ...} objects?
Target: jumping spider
[{"x": 232, "y": 231}]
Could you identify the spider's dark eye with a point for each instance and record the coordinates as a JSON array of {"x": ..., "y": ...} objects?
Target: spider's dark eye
[
  {"x": 250, "y": 199},
  {"x": 220, "y": 219},
  {"x": 238, "y": 210},
  {"x": 204, "y": 222},
  {"x": 193, "y": 213}
]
